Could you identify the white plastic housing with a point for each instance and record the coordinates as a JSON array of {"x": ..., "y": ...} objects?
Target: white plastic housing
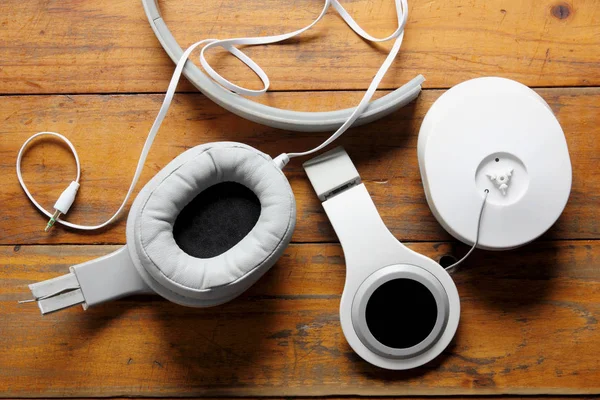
[
  {"x": 369, "y": 247},
  {"x": 499, "y": 135},
  {"x": 374, "y": 257}
]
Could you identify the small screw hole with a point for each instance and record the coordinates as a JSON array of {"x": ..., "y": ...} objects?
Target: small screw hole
[
  {"x": 447, "y": 260},
  {"x": 497, "y": 159}
]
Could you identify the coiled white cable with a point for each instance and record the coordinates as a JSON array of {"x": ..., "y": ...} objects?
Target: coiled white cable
[
  {"x": 68, "y": 196},
  {"x": 72, "y": 189},
  {"x": 70, "y": 192}
]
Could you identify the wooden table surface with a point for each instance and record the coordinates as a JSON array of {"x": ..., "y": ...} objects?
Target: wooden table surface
[{"x": 94, "y": 71}]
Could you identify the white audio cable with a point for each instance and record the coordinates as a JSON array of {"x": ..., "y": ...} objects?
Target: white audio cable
[
  {"x": 451, "y": 268},
  {"x": 67, "y": 198}
]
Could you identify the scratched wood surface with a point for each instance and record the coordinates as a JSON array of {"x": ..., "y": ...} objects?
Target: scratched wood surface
[
  {"x": 74, "y": 46},
  {"x": 109, "y": 132},
  {"x": 529, "y": 325},
  {"x": 94, "y": 71}
]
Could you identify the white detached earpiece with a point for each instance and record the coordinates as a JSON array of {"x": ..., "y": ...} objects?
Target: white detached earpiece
[{"x": 498, "y": 135}]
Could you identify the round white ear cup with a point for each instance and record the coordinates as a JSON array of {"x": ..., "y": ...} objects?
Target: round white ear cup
[
  {"x": 405, "y": 328},
  {"x": 496, "y": 135},
  {"x": 203, "y": 282}
]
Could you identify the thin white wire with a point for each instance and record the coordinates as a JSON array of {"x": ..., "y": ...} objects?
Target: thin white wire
[
  {"x": 140, "y": 165},
  {"x": 20, "y": 156},
  {"x": 402, "y": 11},
  {"x": 229, "y": 45},
  {"x": 451, "y": 267}
]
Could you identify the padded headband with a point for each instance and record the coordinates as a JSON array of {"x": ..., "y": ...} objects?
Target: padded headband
[
  {"x": 271, "y": 116},
  {"x": 200, "y": 282}
]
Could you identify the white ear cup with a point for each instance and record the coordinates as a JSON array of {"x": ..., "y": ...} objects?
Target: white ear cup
[
  {"x": 399, "y": 309},
  {"x": 201, "y": 282},
  {"x": 374, "y": 258},
  {"x": 498, "y": 135}
]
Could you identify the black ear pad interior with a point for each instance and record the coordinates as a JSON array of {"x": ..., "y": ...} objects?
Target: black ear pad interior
[
  {"x": 216, "y": 219},
  {"x": 196, "y": 233}
]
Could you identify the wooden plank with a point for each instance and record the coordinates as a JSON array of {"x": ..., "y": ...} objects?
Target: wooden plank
[
  {"x": 529, "y": 325},
  {"x": 109, "y": 131},
  {"x": 107, "y": 46},
  {"x": 390, "y": 398}
]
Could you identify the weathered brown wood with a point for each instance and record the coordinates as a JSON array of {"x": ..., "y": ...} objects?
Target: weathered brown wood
[
  {"x": 106, "y": 46},
  {"x": 529, "y": 317},
  {"x": 529, "y": 325},
  {"x": 528, "y": 397},
  {"x": 109, "y": 131}
]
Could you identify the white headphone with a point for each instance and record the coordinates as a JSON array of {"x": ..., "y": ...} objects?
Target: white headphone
[
  {"x": 399, "y": 309},
  {"x": 152, "y": 260}
]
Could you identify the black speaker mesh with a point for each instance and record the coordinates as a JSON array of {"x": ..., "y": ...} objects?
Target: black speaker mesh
[
  {"x": 401, "y": 313},
  {"x": 216, "y": 220}
]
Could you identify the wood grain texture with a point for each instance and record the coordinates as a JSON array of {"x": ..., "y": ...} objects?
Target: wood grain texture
[
  {"x": 531, "y": 397},
  {"x": 529, "y": 325},
  {"x": 109, "y": 131},
  {"x": 105, "y": 46}
]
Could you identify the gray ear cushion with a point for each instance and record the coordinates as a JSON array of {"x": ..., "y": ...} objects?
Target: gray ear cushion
[{"x": 200, "y": 282}]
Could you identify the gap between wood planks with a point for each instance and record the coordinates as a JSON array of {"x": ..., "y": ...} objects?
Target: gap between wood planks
[
  {"x": 542, "y": 239},
  {"x": 489, "y": 397},
  {"x": 428, "y": 89}
]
